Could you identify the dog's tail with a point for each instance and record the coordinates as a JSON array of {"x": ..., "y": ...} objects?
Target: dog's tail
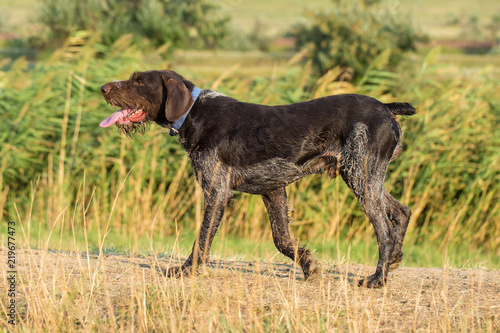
[{"x": 404, "y": 109}]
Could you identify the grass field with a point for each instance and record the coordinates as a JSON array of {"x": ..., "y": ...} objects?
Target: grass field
[
  {"x": 277, "y": 16},
  {"x": 432, "y": 17},
  {"x": 74, "y": 292}
]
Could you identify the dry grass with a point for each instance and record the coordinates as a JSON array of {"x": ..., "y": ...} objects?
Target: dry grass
[{"x": 74, "y": 292}]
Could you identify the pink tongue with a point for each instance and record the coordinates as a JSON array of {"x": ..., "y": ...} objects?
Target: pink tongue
[{"x": 113, "y": 118}]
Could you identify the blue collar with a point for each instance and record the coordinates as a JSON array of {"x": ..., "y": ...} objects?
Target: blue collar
[{"x": 177, "y": 125}]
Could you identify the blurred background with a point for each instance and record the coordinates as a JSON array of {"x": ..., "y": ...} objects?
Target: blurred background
[{"x": 73, "y": 186}]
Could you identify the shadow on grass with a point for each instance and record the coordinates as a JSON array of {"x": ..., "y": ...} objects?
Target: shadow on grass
[{"x": 277, "y": 270}]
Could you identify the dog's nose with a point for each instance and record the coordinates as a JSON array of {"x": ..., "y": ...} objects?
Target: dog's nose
[{"x": 105, "y": 89}]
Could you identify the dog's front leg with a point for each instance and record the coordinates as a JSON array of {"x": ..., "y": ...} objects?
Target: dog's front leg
[
  {"x": 216, "y": 200},
  {"x": 276, "y": 204}
]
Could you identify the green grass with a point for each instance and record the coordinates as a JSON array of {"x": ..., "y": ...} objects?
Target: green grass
[
  {"x": 434, "y": 16},
  {"x": 209, "y": 64},
  {"x": 227, "y": 246},
  {"x": 278, "y": 15},
  {"x": 17, "y": 14}
]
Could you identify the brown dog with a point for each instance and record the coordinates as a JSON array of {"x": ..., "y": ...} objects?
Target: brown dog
[{"x": 236, "y": 146}]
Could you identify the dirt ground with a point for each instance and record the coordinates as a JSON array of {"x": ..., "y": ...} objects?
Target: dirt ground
[{"x": 415, "y": 299}]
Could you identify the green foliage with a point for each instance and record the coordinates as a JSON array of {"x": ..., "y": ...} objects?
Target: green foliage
[
  {"x": 191, "y": 23},
  {"x": 258, "y": 38},
  {"x": 455, "y": 148},
  {"x": 353, "y": 34},
  {"x": 51, "y": 113}
]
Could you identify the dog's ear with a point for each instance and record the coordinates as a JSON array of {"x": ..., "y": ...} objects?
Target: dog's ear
[{"x": 179, "y": 99}]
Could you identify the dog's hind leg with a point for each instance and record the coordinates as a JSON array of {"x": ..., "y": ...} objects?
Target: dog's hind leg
[
  {"x": 399, "y": 215},
  {"x": 371, "y": 199},
  {"x": 363, "y": 169},
  {"x": 276, "y": 204}
]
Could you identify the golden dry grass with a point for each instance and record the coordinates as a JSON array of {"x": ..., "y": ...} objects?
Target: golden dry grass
[{"x": 74, "y": 292}]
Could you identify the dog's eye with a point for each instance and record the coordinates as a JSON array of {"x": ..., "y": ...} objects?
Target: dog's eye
[{"x": 139, "y": 82}]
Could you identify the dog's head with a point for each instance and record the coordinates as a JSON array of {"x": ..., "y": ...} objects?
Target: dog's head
[{"x": 160, "y": 96}]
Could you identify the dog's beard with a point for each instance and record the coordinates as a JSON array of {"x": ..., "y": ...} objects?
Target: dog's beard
[{"x": 132, "y": 128}]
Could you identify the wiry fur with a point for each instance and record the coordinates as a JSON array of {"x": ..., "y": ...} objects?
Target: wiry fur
[
  {"x": 133, "y": 128},
  {"x": 236, "y": 146}
]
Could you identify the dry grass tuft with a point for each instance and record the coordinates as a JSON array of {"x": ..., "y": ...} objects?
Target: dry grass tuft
[{"x": 74, "y": 292}]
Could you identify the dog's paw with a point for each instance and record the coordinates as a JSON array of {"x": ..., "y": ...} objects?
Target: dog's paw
[
  {"x": 396, "y": 260},
  {"x": 312, "y": 273},
  {"x": 178, "y": 271},
  {"x": 393, "y": 266},
  {"x": 372, "y": 281},
  {"x": 309, "y": 267}
]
